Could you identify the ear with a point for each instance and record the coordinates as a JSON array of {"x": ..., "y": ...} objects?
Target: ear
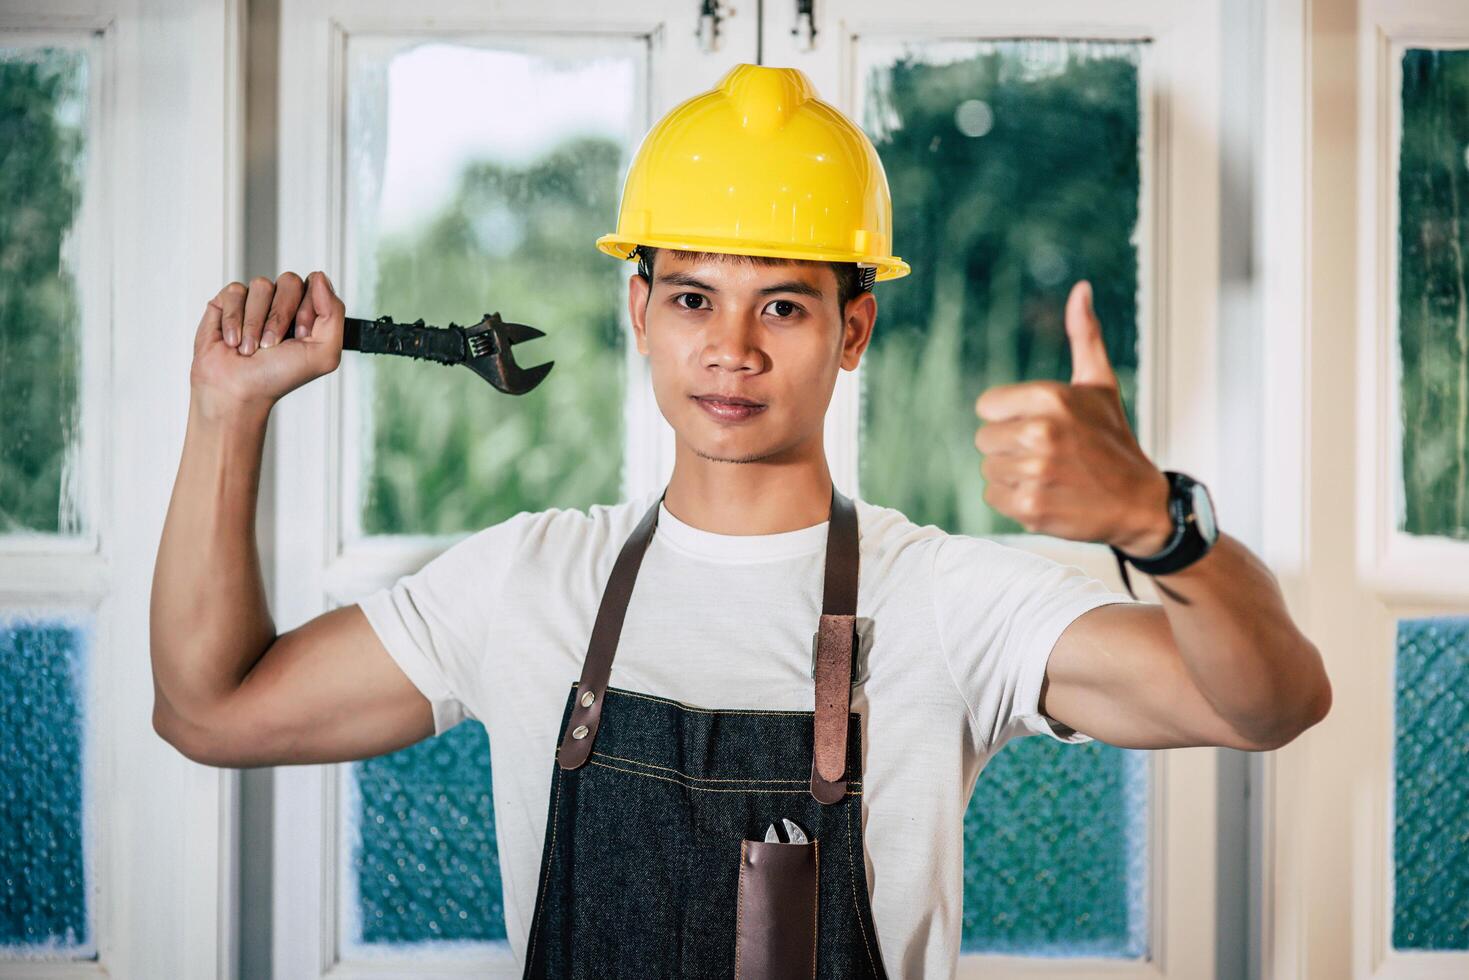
[
  {"x": 860, "y": 315},
  {"x": 637, "y": 310}
]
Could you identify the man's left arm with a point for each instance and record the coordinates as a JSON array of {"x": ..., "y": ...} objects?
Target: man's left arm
[{"x": 1218, "y": 661}]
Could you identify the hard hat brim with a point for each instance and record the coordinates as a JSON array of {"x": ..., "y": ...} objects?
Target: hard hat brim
[{"x": 888, "y": 266}]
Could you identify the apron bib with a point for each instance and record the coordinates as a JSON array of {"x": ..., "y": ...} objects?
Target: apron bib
[{"x": 655, "y": 862}]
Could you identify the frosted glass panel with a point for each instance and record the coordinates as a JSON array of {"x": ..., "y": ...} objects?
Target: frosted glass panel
[
  {"x": 1433, "y": 293},
  {"x": 479, "y": 177},
  {"x": 1014, "y": 170},
  {"x": 45, "y": 857},
  {"x": 43, "y": 121},
  {"x": 1431, "y": 785},
  {"x": 1055, "y": 852},
  {"x": 422, "y": 832}
]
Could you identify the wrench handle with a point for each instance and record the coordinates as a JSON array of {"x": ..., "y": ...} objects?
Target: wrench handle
[{"x": 443, "y": 345}]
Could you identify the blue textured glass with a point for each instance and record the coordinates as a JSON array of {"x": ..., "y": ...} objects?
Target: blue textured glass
[
  {"x": 423, "y": 836},
  {"x": 1055, "y": 852},
  {"x": 1431, "y": 785},
  {"x": 44, "y": 855}
]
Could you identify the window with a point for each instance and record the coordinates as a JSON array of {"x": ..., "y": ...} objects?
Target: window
[
  {"x": 1433, "y": 292},
  {"x": 46, "y": 836},
  {"x": 1431, "y": 785},
  {"x": 478, "y": 176},
  {"x": 48, "y": 807},
  {"x": 1016, "y": 168}
]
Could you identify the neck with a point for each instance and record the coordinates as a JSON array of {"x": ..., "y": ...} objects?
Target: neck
[{"x": 766, "y": 496}]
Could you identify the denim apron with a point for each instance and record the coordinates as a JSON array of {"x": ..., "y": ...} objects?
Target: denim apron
[{"x": 655, "y": 862}]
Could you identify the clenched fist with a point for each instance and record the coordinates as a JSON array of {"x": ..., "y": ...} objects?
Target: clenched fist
[
  {"x": 240, "y": 360},
  {"x": 1061, "y": 459}
]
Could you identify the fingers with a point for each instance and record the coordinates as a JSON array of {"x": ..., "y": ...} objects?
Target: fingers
[
  {"x": 288, "y": 292},
  {"x": 1020, "y": 436},
  {"x": 231, "y": 300},
  {"x": 306, "y": 312},
  {"x": 257, "y": 303},
  {"x": 1012, "y": 471},
  {"x": 1021, "y": 398}
]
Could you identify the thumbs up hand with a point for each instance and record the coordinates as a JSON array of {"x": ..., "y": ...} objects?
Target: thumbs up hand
[{"x": 1061, "y": 459}]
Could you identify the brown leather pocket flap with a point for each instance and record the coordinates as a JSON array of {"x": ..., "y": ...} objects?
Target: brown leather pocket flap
[{"x": 775, "y": 928}]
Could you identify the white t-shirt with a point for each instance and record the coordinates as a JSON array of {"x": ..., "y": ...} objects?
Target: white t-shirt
[{"x": 954, "y": 633}]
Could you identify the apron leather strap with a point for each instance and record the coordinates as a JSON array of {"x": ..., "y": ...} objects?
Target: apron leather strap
[
  {"x": 836, "y": 640},
  {"x": 596, "y": 668}
]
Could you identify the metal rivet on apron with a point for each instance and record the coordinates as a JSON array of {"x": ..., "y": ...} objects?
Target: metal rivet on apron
[
  {"x": 580, "y": 731},
  {"x": 588, "y": 698}
]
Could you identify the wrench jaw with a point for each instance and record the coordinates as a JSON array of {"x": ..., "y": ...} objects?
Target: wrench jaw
[{"x": 488, "y": 354}]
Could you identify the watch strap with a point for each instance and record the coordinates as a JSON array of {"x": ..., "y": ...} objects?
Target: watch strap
[{"x": 1184, "y": 547}]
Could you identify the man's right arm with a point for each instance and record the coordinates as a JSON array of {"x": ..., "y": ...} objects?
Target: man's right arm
[{"x": 228, "y": 690}]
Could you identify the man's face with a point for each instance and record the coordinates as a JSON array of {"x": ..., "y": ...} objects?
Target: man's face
[{"x": 725, "y": 328}]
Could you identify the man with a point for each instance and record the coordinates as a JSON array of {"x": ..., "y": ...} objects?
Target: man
[{"x": 630, "y": 832}]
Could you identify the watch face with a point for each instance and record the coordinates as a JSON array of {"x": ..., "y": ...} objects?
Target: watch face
[{"x": 1204, "y": 513}]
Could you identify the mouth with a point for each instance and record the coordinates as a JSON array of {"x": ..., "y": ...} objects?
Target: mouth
[{"x": 729, "y": 408}]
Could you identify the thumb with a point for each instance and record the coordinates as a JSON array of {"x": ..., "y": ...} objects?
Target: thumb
[
  {"x": 1089, "y": 363},
  {"x": 323, "y": 296}
]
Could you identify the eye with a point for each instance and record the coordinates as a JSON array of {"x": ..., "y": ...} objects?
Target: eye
[
  {"x": 697, "y": 296},
  {"x": 793, "y": 307}
]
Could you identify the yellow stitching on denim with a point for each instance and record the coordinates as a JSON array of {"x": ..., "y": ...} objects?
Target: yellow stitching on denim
[
  {"x": 705, "y": 789},
  {"x": 815, "y": 904},
  {"x": 852, "y": 876},
  {"x": 708, "y": 711},
  {"x": 740, "y": 908},
  {"x": 710, "y": 779},
  {"x": 550, "y": 856}
]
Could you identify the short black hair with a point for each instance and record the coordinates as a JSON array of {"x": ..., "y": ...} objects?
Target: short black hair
[{"x": 851, "y": 281}]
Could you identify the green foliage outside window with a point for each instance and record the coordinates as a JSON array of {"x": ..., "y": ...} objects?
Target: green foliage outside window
[
  {"x": 1433, "y": 292},
  {"x": 451, "y": 453},
  {"x": 42, "y": 129},
  {"x": 1014, "y": 170}
]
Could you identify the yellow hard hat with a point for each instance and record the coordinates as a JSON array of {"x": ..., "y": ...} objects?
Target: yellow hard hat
[{"x": 759, "y": 165}]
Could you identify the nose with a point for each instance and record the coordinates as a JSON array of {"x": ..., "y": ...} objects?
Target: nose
[{"x": 732, "y": 343}]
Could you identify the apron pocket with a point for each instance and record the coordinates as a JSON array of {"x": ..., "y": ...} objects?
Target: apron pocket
[{"x": 775, "y": 924}]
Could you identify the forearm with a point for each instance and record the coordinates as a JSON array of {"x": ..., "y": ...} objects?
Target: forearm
[
  {"x": 1241, "y": 648},
  {"x": 209, "y": 619}
]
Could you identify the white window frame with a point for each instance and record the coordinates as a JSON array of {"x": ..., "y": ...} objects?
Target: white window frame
[
  {"x": 1333, "y": 138},
  {"x": 163, "y": 865}
]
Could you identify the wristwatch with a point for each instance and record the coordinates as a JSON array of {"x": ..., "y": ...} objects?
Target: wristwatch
[{"x": 1194, "y": 531}]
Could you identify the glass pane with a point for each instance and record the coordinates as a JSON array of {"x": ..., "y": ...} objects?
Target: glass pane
[
  {"x": 45, "y": 854},
  {"x": 1055, "y": 852},
  {"x": 1014, "y": 169},
  {"x": 1433, "y": 292},
  {"x": 1431, "y": 785},
  {"x": 422, "y": 833},
  {"x": 479, "y": 177},
  {"x": 43, "y": 122}
]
